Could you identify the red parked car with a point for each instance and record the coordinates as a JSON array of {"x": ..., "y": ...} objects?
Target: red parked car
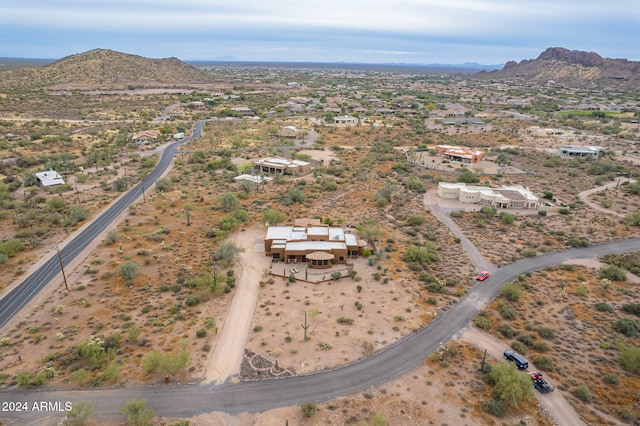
[{"x": 482, "y": 276}]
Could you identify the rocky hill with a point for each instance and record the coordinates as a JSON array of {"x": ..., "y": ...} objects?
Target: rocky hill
[
  {"x": 103, "y": 68},
  {"x": 572, "y": 68}
]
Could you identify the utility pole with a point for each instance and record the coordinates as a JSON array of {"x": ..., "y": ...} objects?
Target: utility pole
[
  {"x": 75, "y": 182},
  {"x": 64, "y": 276}
]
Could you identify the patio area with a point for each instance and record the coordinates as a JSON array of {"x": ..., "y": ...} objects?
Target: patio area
[{"x": 304, "y": 273}]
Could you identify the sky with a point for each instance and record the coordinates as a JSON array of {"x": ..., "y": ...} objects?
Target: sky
[{"x": 362, "y": 31}]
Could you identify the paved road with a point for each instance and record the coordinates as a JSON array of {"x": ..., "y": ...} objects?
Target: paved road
[
  {"x": 400, "y": 358},
  {"x": 17, "y": 298}
]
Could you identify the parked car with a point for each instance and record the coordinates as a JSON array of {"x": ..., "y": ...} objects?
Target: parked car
[
  {"x": 540, "y": 383},
  {"x": 482, "y": 276},
  {"x": 518, "y": 359}
]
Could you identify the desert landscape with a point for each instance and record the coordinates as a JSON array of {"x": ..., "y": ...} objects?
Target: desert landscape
[{"x": 179, "y": 289}]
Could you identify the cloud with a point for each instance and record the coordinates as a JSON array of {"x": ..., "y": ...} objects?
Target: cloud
[{"x": 380, "y": 28}]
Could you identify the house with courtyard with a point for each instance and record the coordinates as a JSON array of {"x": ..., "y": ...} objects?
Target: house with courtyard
[
  {"x": 281, "y": 166},
  {"x": 462, "y": 155},
  {"x": 311, "y": 242},
  {"x": 505, "y": 197}
]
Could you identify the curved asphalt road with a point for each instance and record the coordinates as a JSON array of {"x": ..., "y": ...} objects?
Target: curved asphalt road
[
  {"x": 17, "y": 298},
  {"x": 400, "y": 358}
]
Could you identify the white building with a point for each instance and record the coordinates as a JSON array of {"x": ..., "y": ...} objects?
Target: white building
[
  {"x": 581, "y": 151},
  {"x": 505, "y": 197},
  {"x": 49, "y": 178}
]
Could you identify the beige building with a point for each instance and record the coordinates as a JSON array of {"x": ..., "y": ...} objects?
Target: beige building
[
  {"x": 505, "y": 197},
  {"x": 281, "y": 166},
  {"x": 311, "y": 242}
]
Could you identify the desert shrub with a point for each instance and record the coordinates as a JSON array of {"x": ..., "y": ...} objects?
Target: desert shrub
[
  {"x": 128, "y": 270},
  {"x": 577, "y": 242},
  {"x": 525, "y": 339},
  {"x": 603, "y": 307},
  {"x": 511, "y": 291},
  {"x": 543, "y": 362},
  {"x": 494, "y": 407},
  {"x": 611, "y": 379},
  {"x": 136, "y": 412},
  {"x": 530, "y": 252},
  {"x": 506, "y": 330},
  {"x": 542, "y": 213},
  {"x": 627, "y": 414},
  {"x": 163, "y": 185},
  {"x": 540, "y": 346},
  {"x": 344, "y": 320},
  {"x": 613, "y": 273},
  {"x": 547, "y": 333},
  {"x": 79, "y": 414},
  {"x": 292, "y": 278},
  {"x": 11, "y": 247},
  {"x": 308, "y": 409},
  {"x": 626, "y": 326},
  {"x": 482, "y": 322},
  {"x": 201, "y": 333},
  {"x": 564, "y": 211},
  {"x": 192, "y": 300},
  {"x": 582, "y": 393},
  {"x": 324, "y": 346},
  {"x": 519, "y": 347},
  {"x": 507, "y": 218},
  {"x": 632, "y": 308},
  {"x": 508, "y": 312},
  {"x": 630, "y": 360}
]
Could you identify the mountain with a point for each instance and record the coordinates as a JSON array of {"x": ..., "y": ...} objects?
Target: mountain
[
  {"x": 103, "y": 68},
  {"x": 572, "y": 68}
]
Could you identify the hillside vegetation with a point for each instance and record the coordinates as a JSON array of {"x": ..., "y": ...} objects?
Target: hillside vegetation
[{"x": 102, "y": 67}]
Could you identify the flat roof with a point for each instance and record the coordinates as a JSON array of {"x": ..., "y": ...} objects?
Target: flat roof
[{"x": 316, "y": 245}]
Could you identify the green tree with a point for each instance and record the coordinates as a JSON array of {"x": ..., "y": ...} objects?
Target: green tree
[
  {"x": 172, "y": 363},
  {"x": 228, "y": 252},
  {"x": 163, "y": 185},
  {"x": 511, "y": 386},
  {"x": 370, "y": 231},
  {"x": 467, "y": 176},
  {"x": 273, "y": 217},
  {"x": 229, "y": 202},
  {"x": 137, "y": 413}
]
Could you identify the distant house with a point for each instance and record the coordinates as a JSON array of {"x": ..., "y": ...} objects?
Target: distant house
[
  {"x": 281, "y": 166},
  {"x": 581, "y": 151},
  {"x": 313, "y": 243},
  {"x": 49, "y": 178},
  {"x": 505, "y": 197},
  {"x": 288, "y": 132},
  {"x": 345, "y": 119},
  {"x": 243, "y": 111},
  {"x": 146, "y": 136},
  {"x": 545, "y": 131},
  {"x": 178, "y": 135}
]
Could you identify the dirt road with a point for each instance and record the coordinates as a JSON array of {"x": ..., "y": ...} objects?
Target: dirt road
[{"x": 226, "y": 356}]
